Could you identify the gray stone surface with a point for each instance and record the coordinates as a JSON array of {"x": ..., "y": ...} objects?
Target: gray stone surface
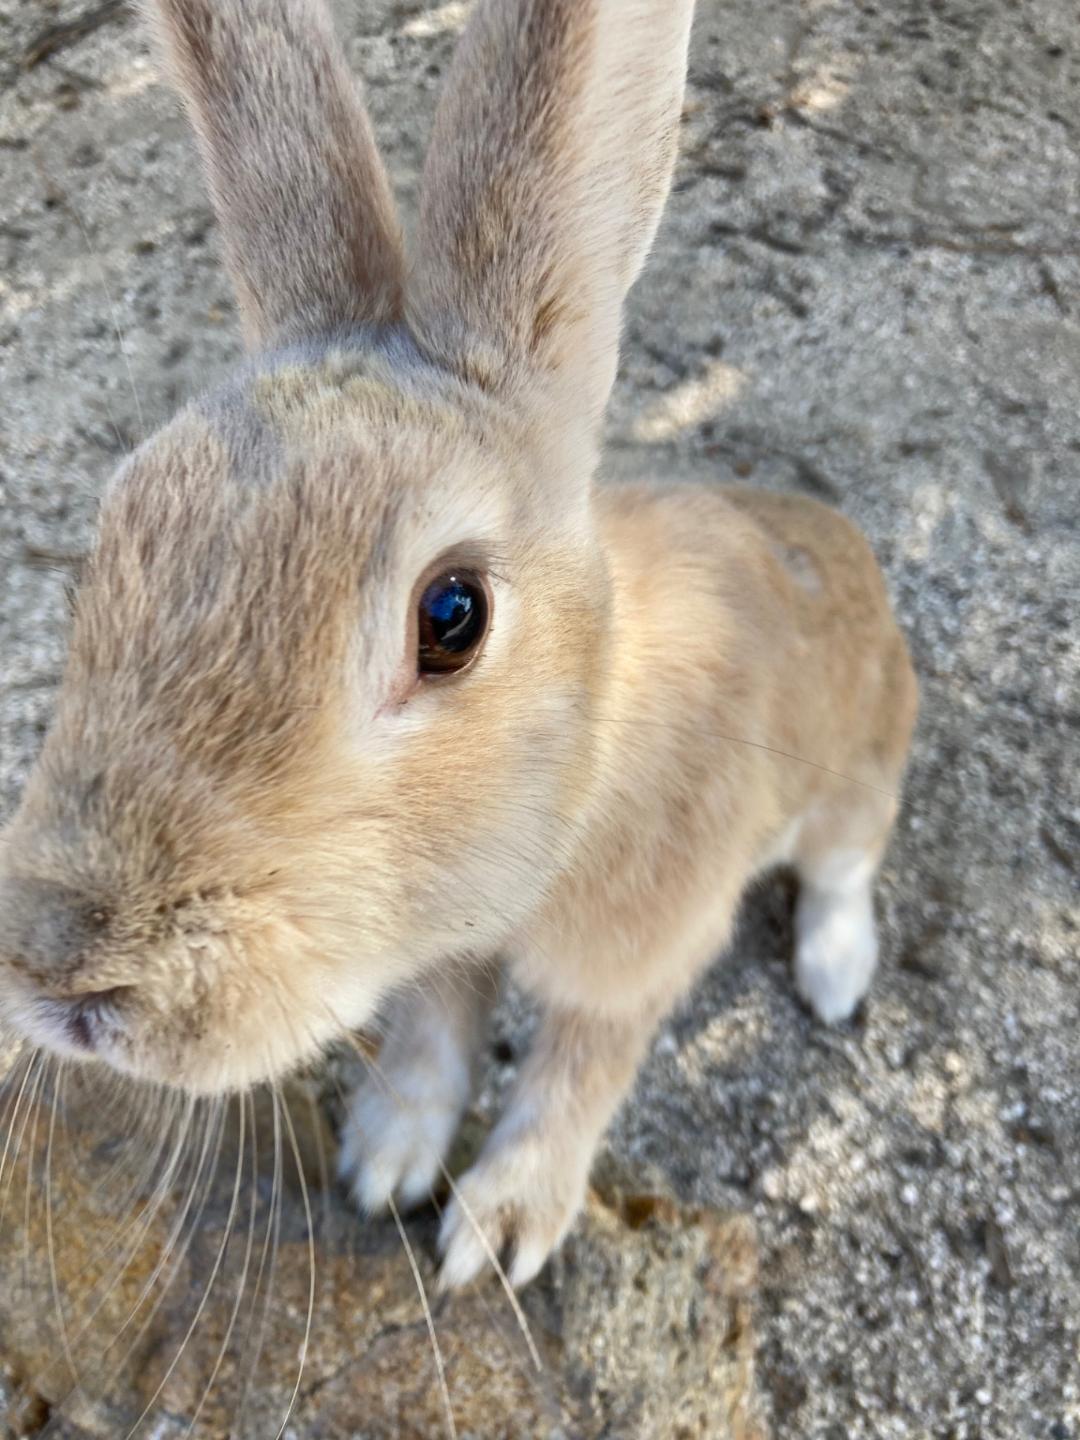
[{"x": 867, "y": 287}]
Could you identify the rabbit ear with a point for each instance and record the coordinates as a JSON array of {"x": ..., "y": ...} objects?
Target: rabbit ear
[
  {"x": 549, "y": 166},
  {"x": 311, "y": 236}
]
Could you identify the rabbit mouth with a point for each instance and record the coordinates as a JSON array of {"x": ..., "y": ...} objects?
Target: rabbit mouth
[
  {"x": 89, "y": 1014},
  {"x": 81, "y": 1025}
]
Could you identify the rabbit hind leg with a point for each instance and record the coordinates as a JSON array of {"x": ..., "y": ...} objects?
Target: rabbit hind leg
[{"x": 836, "y": 858}]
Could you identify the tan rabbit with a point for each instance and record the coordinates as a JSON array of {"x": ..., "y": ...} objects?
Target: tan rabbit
[{"x": 370, "y": 683}]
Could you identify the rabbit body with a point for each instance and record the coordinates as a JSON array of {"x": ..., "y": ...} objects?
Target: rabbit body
[
  {"x": 752, "y": 635},
  {"x": 734, "y": 614},
  {"x": 258, "y": 820}
]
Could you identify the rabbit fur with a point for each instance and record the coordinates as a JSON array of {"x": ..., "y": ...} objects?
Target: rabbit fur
[{"x": 253, "y": 825}]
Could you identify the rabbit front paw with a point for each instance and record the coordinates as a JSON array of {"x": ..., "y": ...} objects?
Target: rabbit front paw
[
  {"x": 516, "y": 1203},
  {"x": 394, "y": 1141}
]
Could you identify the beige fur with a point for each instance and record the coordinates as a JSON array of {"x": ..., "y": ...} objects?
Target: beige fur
[{"x": 252, "y": 825}]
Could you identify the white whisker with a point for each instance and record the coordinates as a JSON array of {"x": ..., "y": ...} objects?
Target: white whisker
[
  {"x": 241, "y": 1285},
  {"x": 451, "y": 1427},
  {"x": 311, "y": 1266},
  {"x": 207, "y": 1290}
]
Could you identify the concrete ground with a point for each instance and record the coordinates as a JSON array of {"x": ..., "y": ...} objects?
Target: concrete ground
[{"x": 867, "y": 288}]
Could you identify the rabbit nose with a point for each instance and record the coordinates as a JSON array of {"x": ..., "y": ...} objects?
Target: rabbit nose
[{"x": 51, "y": 933}]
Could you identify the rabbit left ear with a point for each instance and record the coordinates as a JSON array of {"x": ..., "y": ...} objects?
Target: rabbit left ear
[{"x": 311, "y": 236}]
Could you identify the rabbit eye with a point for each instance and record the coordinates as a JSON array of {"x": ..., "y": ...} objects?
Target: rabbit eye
[{"x": 452, "y": 619}]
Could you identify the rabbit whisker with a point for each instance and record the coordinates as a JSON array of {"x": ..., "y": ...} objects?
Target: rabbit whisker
[
  {"x": 87, "y": 1321},
  {"x": 207, "y": 1289},
  {"x": 311, "y": 1262},
  {"x": 150, "y": 1214},
  {"x": 168, "y": 1249},
  {"x": 242, "y": 1282},
  {"x": 54, "y": 1279},
  {"x": 213, "y": 1135},
  {"x": 271, "y": 1244},
  {"x": 451, "y": 1426},
  {"x": 35, "y": 1113},
  {"x": 630, "y": 722},
  {"x": 248, "y": 1100},
  {"x": 33, "y": 1061}
]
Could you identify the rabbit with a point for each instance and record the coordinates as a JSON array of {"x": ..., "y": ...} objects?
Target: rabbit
[{"x": 373, "y": 686}]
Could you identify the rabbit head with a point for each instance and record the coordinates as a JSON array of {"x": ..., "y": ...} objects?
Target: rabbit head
[{"x": 327, "y": 718}]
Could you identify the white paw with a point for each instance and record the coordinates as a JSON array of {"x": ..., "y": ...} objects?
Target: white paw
[
  {"x": 400, "y": 1126},
  {"x": 516, "y": 1203},
  {"x": 836, "y": 952},
  {"x": 390, "y": 1148}
]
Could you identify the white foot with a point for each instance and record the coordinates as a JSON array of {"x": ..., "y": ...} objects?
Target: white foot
[
  {"x": 401, "y": 1124},
  {"x": 836, "y": 949}
]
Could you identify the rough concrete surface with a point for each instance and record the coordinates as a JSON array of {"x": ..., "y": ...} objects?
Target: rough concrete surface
[
  {"x": 867, "y": 287},
  {"x": 197, "y": 1310}
]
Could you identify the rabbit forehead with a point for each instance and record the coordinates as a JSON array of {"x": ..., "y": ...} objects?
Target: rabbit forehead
[{"x": 339, "y": 462}]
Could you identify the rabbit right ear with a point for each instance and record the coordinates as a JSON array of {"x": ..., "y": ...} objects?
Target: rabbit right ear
[
  {"x": 311, "y": 236},
  {"x": 548, "y": 170}
]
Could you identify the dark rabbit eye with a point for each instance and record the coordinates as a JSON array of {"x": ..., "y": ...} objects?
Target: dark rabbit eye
[{"x": 452, "y": 622}]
